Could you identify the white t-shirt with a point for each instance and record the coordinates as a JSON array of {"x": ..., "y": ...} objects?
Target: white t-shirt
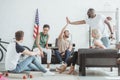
[
  {"x": 12, "y": 56},
  {"x": 98, "y": 23}
]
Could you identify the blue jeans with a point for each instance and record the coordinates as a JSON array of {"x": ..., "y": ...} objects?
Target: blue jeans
[
  {"x": 58, "y": 55},
  {"x": 30, "y": 63},
  {"x": 106, "y": 41}
]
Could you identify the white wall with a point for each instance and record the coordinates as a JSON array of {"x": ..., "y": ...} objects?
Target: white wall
[{"x": 19, "y": 15}]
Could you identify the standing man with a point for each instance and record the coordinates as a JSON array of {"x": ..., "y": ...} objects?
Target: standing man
[
  {"x": 41, "y": 44},
  {"x": 99, "y": 22},
  {"x": 64, "y": 45}
]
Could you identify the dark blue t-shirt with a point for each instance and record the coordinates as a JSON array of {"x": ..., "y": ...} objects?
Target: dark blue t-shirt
[{"x": 19, "y": 48}]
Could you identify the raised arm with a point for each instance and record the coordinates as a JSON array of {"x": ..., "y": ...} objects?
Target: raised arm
[
  {"x": 62, "y": 32},
  {"x": 75, "y": 22}
]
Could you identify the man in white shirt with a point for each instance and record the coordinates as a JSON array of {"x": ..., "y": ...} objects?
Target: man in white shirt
[
  {"x": 96, "y": 21},
  {"x": 13, "y": 54}
]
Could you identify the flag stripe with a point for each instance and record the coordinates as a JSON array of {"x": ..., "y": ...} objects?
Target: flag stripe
[{"x": 36, "y": 25}]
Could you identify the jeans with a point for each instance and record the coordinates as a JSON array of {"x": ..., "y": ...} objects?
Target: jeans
[
  {"x": 58, "y": 55},
  {"x": 30, "y": 63},
  {"x": 73, "y": 59},
  {"x": 106, "y": 41}
]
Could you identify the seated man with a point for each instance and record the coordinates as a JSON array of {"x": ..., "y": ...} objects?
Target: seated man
[
  {"x": 64, "y": 45},
  {"x": 13, "y": 54},
  {"x": 41, "y": 45},
  {"x": 97, "y": 43}
]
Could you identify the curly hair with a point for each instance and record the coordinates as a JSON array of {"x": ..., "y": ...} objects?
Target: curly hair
[{"x": 97, "y": 33}]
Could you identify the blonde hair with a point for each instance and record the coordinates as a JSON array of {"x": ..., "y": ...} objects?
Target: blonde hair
[{"x": 97, "y": 33}]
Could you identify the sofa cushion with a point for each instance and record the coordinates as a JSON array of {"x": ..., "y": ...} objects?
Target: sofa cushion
[{"x": 97, "y": 51}]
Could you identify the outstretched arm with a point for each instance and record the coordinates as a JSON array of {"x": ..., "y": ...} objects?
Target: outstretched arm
[
  {"x": 62, "y": 32},
  {"x": 75, "y": 22},
  {"x": 27, "y": 52}
]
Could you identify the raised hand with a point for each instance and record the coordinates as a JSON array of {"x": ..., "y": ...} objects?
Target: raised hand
[{"x": 67, "y": 20}]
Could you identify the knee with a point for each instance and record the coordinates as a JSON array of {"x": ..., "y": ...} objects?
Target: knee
[
  {"x": 50, "y": 51},
  {"x": 67, "y": 52},
  {"x": 32, "y": 57},
  {"x": 56, "y": 52}
]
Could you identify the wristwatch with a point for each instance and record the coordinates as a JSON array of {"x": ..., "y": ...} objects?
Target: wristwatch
[{"x": 112, "y": 33}]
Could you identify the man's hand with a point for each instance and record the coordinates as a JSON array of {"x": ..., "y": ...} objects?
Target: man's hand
[
  {"x": 62, "y": 54},
  {"x": 67, "y": 20},
  {"x": 111, "y": 36}
]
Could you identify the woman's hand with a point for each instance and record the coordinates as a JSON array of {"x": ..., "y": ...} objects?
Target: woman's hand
[
  {"x": 42, "y": 54},
  {"x": 47, "y": 47}
]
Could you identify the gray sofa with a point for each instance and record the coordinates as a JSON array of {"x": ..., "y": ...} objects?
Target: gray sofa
[{"x": 97, "y": 58}]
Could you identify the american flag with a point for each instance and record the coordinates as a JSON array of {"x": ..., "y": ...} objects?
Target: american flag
[{"x": 36, "y": 25}]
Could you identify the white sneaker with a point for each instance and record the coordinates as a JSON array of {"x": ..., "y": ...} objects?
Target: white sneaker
[
  {"x": 48, "y": 73},
  {"x": 62, "y": 62},
  {"x": 48, "y": 69}
]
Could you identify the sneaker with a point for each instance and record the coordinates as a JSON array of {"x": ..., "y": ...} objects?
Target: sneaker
[
  {"x": 48, "y": 69},
  {"x": 48, "y": 73},
  {"x": 62, "y": 63}
]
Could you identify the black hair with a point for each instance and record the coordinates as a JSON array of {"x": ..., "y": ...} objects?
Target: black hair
[
  {"x": 90, "y": 10},
  {"x": 46, "y": 26}
]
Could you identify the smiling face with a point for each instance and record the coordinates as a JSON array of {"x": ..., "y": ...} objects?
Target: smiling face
[
  {"x": 46, "y": 28},
  {"x": 45, "y": 31},
  {"x": 91, "y": 13}
]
